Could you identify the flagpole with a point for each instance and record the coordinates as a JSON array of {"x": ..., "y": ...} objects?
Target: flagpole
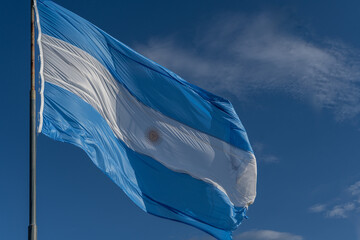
[{"x": 32, "y": 229}]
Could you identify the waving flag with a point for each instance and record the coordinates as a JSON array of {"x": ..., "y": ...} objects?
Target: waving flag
[{"x": 177, "y": 151}]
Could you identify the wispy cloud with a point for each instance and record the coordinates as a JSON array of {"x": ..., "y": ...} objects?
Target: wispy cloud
[
  {"x": 346, "y": 205},
  {"x": 355, "y": 189},
  {"x": 260, "y": 235},
  {"x": 342, "y": 210},
  {"x": 248, "y": 54},
  {"x": 317, "y": 208},
  {"x": 262, "y": 155},
  {"x": 267, "y": 235}
]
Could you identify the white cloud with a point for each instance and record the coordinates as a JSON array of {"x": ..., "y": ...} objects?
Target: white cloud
[
  {"x": 247, "y": 54},
  {"x": 317, "y": 208},
  {"x": 262, "y": 155},
  {"x": 259, "y": 235},
  {"x": 341, "y": 211},
  {"x": 267, "y": 235},
  {"x": 355, "y": 188},
  {"x": 346, "y": 205}
]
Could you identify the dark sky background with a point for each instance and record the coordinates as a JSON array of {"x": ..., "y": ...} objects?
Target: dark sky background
[{"x": 291, "y": 70}]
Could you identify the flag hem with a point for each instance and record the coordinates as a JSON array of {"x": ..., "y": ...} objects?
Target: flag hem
[{"x": 41, "y": 72}]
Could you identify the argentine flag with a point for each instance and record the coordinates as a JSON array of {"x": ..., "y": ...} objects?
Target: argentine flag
[{"x": 177, "y": 151}]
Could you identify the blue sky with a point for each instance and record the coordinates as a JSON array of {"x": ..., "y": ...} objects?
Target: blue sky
[{"x": 291, "y": 70}]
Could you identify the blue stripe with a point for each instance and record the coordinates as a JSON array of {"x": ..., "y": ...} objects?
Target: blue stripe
[
  {"x": 150, "y": 83},
  {"x": 153, "y": 187}
]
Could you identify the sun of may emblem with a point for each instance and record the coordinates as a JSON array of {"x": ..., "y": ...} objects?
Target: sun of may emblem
[{"x": 153, "y": 135}]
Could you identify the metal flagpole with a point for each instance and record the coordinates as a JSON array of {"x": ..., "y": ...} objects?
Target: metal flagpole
[{"x": 32, "y": 229}]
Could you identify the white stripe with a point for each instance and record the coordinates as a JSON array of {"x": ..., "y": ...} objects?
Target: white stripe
[{"x": 175, "y": 145}]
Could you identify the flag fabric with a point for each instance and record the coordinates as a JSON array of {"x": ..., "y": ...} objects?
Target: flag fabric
[{"x": 176, "y": 150}]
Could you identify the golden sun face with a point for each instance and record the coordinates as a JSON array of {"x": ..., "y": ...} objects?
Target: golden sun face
[{"x": 153, "y": 135}]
